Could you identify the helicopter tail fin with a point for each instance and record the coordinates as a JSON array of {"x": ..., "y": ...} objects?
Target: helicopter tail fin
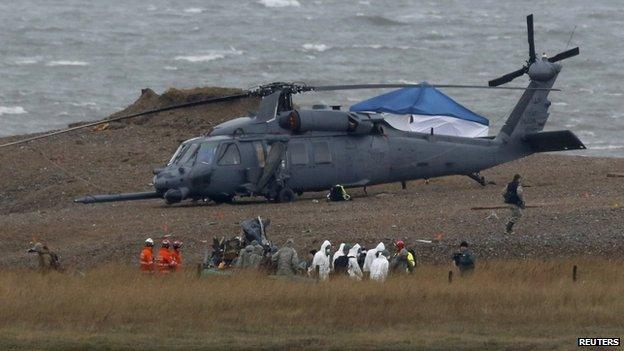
[
  {"x": 560, "y": 140},
  {"x": 530, "y": 113}
]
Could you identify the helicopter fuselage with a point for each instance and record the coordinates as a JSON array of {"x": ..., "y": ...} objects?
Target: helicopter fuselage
[{"x": 232, "y": 159}]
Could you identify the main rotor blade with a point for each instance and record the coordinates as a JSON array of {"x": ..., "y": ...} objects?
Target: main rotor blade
[
  {"x": 407, "y": 85},
  {"x": 564, "y": 55},
  {"x": 531, "y": 38},
  {"x": 507, "y": 77},
  {"x": 138, "y": 114}
]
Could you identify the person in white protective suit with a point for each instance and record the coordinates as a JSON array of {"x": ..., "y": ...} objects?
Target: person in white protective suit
[
  {"x": 370, "y": 256},
  {"x": 354, "y": 270},
  {"x": 321, "y": 260},
  {"x": 379, "y": 267},
  {"x": 337, "y": 254}
]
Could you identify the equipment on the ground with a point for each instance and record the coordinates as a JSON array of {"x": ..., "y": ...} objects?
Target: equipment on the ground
[
  {"x": 284, "y": 150},
  {"x": 338, "y": 193}
]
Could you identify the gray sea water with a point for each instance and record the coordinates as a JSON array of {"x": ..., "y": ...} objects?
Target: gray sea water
[{"x": 75, "y": 60}]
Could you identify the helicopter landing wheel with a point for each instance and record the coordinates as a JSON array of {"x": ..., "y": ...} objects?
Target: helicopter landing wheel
[{"x": 285, "y": 195}]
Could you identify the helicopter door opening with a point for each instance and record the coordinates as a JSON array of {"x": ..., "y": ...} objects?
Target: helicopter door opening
[
  {"x": 271, "y": 169},
  {"x": 256, "y": 166},
  {"x": 270, "y": 166}
]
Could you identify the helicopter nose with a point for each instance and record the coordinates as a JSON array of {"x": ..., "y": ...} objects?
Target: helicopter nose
[
  {"x": 173, "y": 196},
  {"x": 160, "y": 183},
  {"x": 167, "y": 179}
]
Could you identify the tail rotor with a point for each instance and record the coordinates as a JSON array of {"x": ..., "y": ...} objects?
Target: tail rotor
[{"x": 532, "y": 57}]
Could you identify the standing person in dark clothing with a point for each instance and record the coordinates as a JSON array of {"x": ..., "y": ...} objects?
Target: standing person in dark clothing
[
  {"x": 308, "y": 261},
  {"x": 341, "y": 263},
  {"x": 361, "y": 256},
  {"x": 464, "y": 260},
  {"x": 512, "y": 194}
]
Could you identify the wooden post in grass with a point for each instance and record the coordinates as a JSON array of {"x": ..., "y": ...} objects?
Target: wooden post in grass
[
  {"x": 574, "y": 273},
  {"x": 450, "y": 277}
]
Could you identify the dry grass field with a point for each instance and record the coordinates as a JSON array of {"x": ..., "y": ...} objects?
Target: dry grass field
[{"x": 511, "y": 304}]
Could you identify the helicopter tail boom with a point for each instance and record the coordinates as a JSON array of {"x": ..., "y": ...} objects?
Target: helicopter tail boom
[{"x": 91, "y": 199}]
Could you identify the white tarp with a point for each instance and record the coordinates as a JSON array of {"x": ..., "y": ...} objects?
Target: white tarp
[{"x": 441, "y": 125}]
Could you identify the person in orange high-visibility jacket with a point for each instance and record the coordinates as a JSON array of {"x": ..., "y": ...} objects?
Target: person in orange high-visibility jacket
[
  {"x": 147, "y": 257},
  {"x": 164, "y": 261},
  {"x": 176, "y": 254}
]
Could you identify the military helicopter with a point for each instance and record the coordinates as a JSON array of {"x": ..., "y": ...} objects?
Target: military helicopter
[{"x": 283, "y": 150}]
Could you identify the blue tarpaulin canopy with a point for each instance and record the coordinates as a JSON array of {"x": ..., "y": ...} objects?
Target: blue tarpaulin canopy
[{"x": 422, "y": 100}]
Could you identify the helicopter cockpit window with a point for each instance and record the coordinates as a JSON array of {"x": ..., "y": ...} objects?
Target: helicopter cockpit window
[
  {"x": 321, "y": 152},
  {"x": 231, "y": 156},
  {"x": 178, "y": 154},
  {"x": 189, "y": 155},
  {"x": 298, "y": 154},
  {"x": 206, "y": 153}
]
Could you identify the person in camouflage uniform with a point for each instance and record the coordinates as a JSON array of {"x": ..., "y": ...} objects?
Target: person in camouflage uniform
[
  {"x": 286, "y": 258},
  {"x": 48, "y": 260}
]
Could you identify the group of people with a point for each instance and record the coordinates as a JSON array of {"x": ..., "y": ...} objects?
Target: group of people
[
  {"x": 357, "y": 263},
  {"x": 353, "y": 261},
  {"x": 169, "y": 258}
]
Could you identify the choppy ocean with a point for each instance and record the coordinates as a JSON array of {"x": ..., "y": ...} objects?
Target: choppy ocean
[{"x": 63, "y": 61}]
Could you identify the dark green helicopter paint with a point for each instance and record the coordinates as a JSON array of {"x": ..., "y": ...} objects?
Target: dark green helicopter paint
[{"x": 283, "y": 151}]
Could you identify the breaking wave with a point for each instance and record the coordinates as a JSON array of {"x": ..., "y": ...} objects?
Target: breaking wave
[
  {"x": 26, "y": 61},
  {"x": 66, "y": 63},
  {"x": 89, "y": 104},
  {"x": 194, "y": 10},
  {"x": 380, "y": 46},
  {"x": 12, "y": 110},
  {"x": 200, "y": 58},
  {"x": 279, "y": 3},
  {"x": 209, "y": 56},
  {"x": 315, "y": 47}
]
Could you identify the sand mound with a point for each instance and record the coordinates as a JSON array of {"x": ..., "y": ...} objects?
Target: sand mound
[{"x": 203, "y": 116}]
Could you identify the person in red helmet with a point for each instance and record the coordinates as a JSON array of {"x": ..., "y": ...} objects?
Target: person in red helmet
[
  {"x": 147, "y": 256},
  {"x": 176, "y": 254},
  {"x": 403, "y": 260},
  {"x": 164, "y": 260}
]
